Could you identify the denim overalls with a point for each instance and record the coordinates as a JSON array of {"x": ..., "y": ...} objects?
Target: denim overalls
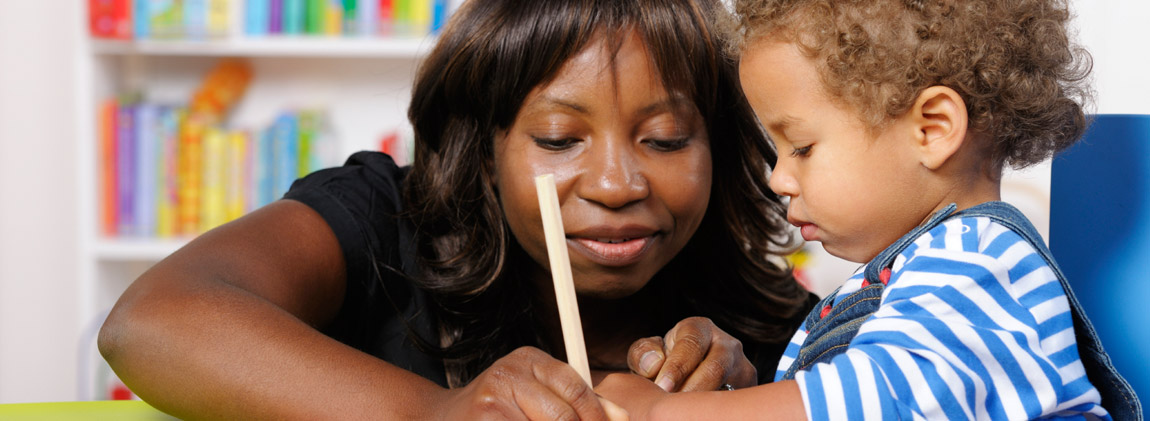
[{"x": 829, "y": 334}]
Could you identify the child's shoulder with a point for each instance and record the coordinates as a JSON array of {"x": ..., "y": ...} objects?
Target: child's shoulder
[{"x": 974, "y": 247}]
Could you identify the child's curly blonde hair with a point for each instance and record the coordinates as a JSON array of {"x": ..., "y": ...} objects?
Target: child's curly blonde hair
[{"x": 1024, "y": 81}]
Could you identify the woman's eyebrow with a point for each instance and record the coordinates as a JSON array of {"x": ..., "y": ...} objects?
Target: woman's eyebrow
[{"x": 556, "y": 102}]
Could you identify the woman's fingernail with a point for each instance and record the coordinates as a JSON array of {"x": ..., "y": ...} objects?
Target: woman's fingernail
[
  {"x": 647, "y": 363},
  {"x": 665, "y": 383}
]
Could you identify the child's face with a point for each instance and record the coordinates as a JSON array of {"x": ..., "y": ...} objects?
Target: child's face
[
  {"x": 632, "y": 166},
  {"x": 855, "y": 191}
]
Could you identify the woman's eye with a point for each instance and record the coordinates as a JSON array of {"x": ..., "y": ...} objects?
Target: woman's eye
[
  {"x": 555, "y": 144},
  {"x": 801, "y": 152},
  {"x": 668, "y": 145}
]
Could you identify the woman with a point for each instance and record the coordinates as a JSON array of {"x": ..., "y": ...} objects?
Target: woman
[{"x": 425, "y": 292}]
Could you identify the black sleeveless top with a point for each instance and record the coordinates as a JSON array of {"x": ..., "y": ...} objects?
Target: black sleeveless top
[{"x": 361, "y": 202}]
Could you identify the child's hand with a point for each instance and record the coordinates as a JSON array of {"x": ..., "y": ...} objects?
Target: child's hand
[
  {"x": 637, "y": 395},
  {"x": 694, "y": 356}
]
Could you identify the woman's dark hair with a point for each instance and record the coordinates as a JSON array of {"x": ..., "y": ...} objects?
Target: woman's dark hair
[{"x": 490, "y": 56}]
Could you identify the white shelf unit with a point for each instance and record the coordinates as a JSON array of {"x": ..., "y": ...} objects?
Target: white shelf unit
[{"x": 363, "y": 84}]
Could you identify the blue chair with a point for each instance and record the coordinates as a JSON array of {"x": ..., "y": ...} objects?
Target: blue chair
[{"x": 1100, "y": 235}]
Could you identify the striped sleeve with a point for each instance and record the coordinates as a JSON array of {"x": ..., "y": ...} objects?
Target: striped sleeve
[{"x": 973, "y": 324}]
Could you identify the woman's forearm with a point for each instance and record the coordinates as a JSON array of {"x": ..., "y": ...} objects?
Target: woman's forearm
[{"x": 202, "y": 349}]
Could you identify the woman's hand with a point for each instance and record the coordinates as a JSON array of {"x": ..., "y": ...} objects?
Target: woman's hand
[
  {"x": 694, "y": 356},
  {"x": 528, "y": 384}
]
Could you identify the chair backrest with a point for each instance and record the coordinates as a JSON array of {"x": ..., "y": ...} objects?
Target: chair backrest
[{"x": 1100, "y": 235}]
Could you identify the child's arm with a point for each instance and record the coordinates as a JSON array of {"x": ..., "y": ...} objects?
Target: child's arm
[{"x": 643, "y": 400}]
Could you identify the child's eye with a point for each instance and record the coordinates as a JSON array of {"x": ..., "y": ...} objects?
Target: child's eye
[
  {"x": 667, "y": 145},
  {"x": 801, "y": 152},
  {"x": 555, "y": 144}
]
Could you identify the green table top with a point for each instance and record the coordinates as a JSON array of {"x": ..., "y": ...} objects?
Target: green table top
[{"x": 94, "y": 410}]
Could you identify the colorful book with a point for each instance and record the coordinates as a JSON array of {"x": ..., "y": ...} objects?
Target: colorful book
[
  {"x": 350, "y": 25},
  {"x": 190, "y": 175},
  {"x": 165, "y": 18},
  {"x": 219, "y": 18},
  {"x": 275, "y": 16},
  {"x": 256, "y": 17},
  {"x": 294, "y": 14},
  {"x": 333, "y": 18},
  {"x": 213, "y": 196},
  {"x": 110, "y": 18},
  {"x": 440, "y": 11},
  {"x": 386, "y": 18},
  {"x": 109, "y": 201},
  {"x": 167, "y": 171},
  {"x": 195, "y": 19},
  {"x": 262, "y": 176},
  {"x": 125, "y": 171},
  {"x": 368, "y": 16},
  {"x": 237, "y": 176},
  {"x": 147, "y": 144},
  {"x": 316, "y": 16},
  {"x": 285, "y": 153}
]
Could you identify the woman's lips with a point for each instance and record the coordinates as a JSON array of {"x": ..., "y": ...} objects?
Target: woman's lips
[{"x": 612, "y": 251}]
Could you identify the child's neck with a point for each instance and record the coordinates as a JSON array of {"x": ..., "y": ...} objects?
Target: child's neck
[{"x": 967, "y": 189}]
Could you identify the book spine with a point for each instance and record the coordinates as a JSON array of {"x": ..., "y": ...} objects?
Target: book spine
[
  {"x": 125, "y": 145},
  {"x": 386, "y": 19},
  {"x": 212, "y": 193},
  {"x": 275, "y": 16},
  {"x": 167, "y": 171},
  {"x": 350, "y": 23},
  {"x": 368, "y": 17},
  {"x": 333, "y": 17},
  {"x": 109, "y": 200},
  {"x": 256, "y": 17},
  {"x": 263, "y": 157},
  {"x": 294, "y": 13},
  {"x": 440, "y": 11},
  {"x": 139, "y": 18},
  {"x": 236, "y": 179},
  {"x": 144, "y": 198},
  {"x": 219, "y": 18},
  {"x": 191, "y": 164},
  {"x": 316, "y": 14},
  {"x": 110, "y": 19},
  {"x": 195, "y": 19},
  {"x": 308, "y": 130},
  {"x": 285, "y": 150}
]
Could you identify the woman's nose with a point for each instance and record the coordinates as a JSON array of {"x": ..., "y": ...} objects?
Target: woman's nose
[
  {"x": 613, "y": 176},
  {"x": 781, "y": 181}
]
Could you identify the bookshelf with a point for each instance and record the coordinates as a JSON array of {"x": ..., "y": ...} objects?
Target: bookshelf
[{"x": 361, "y": 83}]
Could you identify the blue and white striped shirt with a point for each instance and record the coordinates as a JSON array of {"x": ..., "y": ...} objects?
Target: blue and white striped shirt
[{"x": 973, "y": 324}]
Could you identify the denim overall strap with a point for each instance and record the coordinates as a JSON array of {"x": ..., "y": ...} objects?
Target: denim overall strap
[
  {"x": 1118, "y": 396},
  {"x": 831, "y": 326}
]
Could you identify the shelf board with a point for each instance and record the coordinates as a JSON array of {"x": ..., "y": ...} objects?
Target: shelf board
[
  {"x": 302, "y": 47},
  {"x": 136, "y": 249}
]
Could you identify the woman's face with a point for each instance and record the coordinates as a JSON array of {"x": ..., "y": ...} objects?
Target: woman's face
[{"x": 632, "y": 166}]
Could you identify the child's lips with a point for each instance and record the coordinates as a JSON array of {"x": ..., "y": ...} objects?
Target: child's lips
[{"x": 809, "y": 232}]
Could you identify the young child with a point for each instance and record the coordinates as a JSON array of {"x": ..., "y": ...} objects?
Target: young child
[{"x": 893, "y": 121}]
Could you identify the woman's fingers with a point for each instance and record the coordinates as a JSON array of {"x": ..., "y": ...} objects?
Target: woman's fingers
[
  {"x": 528, "y": 384},
  {"x": 645, "y": 357},
  {"x": 687, "y": 346}
]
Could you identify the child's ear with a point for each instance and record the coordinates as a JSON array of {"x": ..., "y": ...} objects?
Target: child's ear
[{"x": 939, "y": 117}]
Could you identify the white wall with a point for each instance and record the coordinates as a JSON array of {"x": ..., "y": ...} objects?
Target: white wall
[{"x": 38, "y": 253}]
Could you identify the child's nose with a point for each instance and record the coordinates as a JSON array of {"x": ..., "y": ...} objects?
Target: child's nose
[{"x": 781, "y": 181}]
